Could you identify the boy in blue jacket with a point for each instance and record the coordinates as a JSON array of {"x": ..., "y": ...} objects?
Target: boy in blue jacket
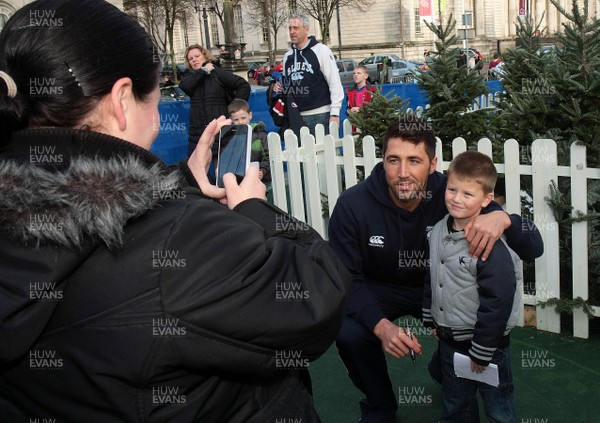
[{"x": 472, "y": 304}]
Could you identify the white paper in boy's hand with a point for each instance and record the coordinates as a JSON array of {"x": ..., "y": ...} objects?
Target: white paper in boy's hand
[{"x": 462, "y": 368}]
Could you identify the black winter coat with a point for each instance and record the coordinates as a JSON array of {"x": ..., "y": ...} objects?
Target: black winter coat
[
  {"x": 129, "y": 297},
  {"x": 210, "y": 95}
]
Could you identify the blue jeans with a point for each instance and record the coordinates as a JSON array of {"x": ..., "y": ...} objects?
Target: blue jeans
[
  {"x": 459, "y": 394},
  {"x": 312, "y": 120}
]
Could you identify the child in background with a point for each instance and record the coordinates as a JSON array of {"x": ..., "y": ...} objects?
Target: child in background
[
  {"x": 240, "y": 114},
  {"x": 472, "y": 304},
  {"x": 362, "y": 92}
]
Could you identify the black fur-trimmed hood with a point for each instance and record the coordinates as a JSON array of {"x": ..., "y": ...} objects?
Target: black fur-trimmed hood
[{"x": 89, "y": 195}]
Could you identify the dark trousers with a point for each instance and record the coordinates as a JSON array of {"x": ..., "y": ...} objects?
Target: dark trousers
[{"x": 363, "y": 355}]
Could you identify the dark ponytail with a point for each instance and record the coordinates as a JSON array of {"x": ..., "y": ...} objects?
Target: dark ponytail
[{"x": 64, "y": 55}]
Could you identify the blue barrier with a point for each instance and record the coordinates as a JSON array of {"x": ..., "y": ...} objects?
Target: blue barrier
[{"x": 171, "y": 143}]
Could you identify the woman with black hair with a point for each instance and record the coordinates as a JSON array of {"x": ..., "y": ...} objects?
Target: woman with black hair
[
  {"x": 126, "y": 294},
  {"x": 210, "y": 89}
]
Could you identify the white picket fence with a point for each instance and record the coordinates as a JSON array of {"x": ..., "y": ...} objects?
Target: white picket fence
[{"x": 318, "y": 169}]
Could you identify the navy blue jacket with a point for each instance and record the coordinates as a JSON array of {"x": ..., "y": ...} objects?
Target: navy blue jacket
[
  {"x": 381, "y": 243},
  {"x": 311, "y": 76}
]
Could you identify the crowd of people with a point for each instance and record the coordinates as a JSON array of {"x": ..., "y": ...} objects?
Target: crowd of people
[{"x": 130, "y": 285}]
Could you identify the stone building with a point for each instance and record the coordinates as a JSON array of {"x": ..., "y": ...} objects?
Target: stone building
[{"x": 390, "y": 26}]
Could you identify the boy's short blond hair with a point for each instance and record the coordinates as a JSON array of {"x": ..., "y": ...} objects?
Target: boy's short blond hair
[
  {"x": 476, "y": 166},
  {"x": 238, "y": 104}
]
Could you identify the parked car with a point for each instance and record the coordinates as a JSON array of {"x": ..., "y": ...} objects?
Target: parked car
[
  {"x": 346, "y": 68},
  {"x": 372, "y": 63},
  {"x": 402, "y": 70},
  {"x": 172, "y": 93}
]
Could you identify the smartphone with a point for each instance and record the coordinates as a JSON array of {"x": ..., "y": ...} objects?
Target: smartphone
[{"x": 233, "y": 154}]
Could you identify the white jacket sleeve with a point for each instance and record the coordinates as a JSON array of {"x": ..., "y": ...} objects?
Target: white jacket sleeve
[{"x": 332, "y": 76}]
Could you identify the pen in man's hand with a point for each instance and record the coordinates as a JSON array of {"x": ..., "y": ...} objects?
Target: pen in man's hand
[{"x": 409, "y": 333}]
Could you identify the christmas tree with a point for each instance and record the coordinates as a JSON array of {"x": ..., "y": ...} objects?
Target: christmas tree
[
  {"x": 376, "y": 116},
  {"x": 557, "y": 95},
  {"x": 452, "y": 88},
  {"x": 530, "y": 104}
]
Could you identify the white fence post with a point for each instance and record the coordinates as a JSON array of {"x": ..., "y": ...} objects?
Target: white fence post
[
  {"x": 369, "y": 157},
  {"x": 311, "y": 173},
  {"x": 512, "y": 176},
  {"x": 579, "y": 237},
  {"x": 295, "y": 156},
  {"x": 317, "y": 167},
  {"x": 512, "y": 190},
  {"x": 547, "y": 269},
  {"x": 276, "y": 159}
]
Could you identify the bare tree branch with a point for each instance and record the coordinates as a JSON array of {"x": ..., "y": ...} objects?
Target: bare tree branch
[
  {"x": 273, "y": 14},
  {"x": 323, "y": 10}
]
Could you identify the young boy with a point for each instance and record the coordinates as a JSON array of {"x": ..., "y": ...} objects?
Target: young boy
[
  {"x": 472, "y": 304},
  {"x": 240, "y": 114},
  {"x": 362, "y": 92}
]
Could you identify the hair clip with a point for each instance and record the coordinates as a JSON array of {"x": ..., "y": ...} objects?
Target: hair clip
[{"x": 72, "y": 74}]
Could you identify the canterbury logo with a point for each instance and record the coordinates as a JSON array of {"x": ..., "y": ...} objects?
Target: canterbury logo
[{"x": 376, "y": 241}]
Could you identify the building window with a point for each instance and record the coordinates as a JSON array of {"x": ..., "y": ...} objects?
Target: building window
[
  {"x": 417, "y": 20},
  {"x": 237, "y": 21},
  {"x": 265, "y": 34},
  {"x": 214, "y": 29}
]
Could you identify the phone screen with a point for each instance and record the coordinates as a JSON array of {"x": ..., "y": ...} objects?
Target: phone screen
[{"x": 234, "y": 151}]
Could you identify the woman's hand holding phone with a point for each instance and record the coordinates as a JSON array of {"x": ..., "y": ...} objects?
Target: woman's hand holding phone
[
  {"x": 250, "y": 187},
  {"x": 232, "y": 194},
  {"x": 199, "y": 161}
]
